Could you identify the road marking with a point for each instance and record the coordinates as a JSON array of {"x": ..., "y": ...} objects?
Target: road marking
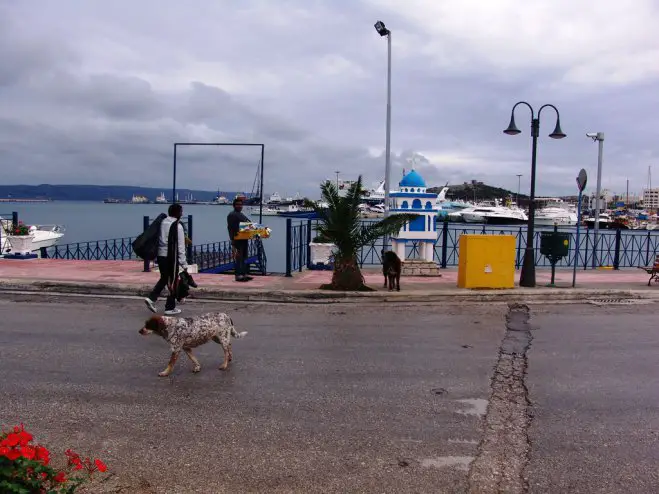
[
  {"x": 462, "y": 441},
  {"x": 459, "y": 462},
  {"x": 478, "y": 406}
]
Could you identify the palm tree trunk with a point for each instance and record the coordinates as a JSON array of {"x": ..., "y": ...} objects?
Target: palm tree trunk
[{"x": 347, "y": 275}]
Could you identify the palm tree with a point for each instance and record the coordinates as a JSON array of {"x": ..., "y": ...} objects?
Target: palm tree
[{"x": 340, "y": 224}]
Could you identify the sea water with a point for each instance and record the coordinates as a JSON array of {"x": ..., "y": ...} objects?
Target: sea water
[{"x": 91, "y": 221}]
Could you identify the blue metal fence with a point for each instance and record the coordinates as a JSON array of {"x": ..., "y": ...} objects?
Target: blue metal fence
[
  {"x": 216, "y": 257},
  {"x": 616, "y": 248},
  {"x": 298, "y": 252},
  {"x": 116, "y": 249}
]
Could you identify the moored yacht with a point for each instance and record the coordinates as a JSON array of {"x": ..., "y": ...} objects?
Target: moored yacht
[
  {"x": 494, "y": 215},
  {"x": 556, "y": 214}
]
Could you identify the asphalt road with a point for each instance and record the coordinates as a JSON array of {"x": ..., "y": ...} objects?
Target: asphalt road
[
  {"x": 337, "y": 398},
  {"x": 592, "y": 380},
  {"x": 318, "y": 398}
]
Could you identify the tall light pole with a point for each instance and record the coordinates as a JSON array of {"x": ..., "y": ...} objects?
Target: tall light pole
[
  {"x": 383, "y": 31},
  {"x": 519, "y": 183},
  {"x": 337, "y": 179},
  {"x": 527, "y": 276},
  {"x": 597, "y": 137}
]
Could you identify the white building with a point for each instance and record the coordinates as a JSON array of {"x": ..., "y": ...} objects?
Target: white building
[
  {"x": 651, "y": 198},
  {"x": 412, "y": 197}
]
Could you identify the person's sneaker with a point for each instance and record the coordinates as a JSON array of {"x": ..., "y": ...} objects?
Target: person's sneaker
[
  {"x": 151, "y": 305},
  {"x": 172, "y": 312}
]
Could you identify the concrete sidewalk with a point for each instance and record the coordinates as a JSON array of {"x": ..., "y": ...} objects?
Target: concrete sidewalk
[{"x": 128, "y": 278}]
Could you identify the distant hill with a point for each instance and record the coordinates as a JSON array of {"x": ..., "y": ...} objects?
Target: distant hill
[
  {"x": 98, "y": 192},
  {"x": 469, "y": 191}
]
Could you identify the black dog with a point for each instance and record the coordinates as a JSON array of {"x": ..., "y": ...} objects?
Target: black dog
[{"x": 391, "y": 268}]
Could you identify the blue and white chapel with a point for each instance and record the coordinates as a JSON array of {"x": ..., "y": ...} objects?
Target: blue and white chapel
[{"x": 412, "y": 197}]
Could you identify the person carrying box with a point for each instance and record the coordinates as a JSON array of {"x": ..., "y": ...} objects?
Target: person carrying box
[{"x": 240, "y": 247}]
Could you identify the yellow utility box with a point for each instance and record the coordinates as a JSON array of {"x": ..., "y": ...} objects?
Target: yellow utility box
[{"x": 486, "y": 261}]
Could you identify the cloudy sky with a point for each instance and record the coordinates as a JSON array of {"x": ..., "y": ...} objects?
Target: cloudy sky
[{"x": 93, "y": 91}]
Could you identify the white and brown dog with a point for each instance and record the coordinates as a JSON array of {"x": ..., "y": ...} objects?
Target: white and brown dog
[{"x": 188, "y": 333}]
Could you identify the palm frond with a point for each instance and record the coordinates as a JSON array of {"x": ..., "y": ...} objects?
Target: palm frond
[
  {"x": 387, "y": 226},
  {"x": 355, "y": 194},
  {"x": 341, "y": 224}
]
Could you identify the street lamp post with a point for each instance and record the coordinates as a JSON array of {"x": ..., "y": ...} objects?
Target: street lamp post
[
  {"x": 519, "y": 183},
  {"x": 597, "y": 137},
  {"x": 337, "y": 179},
  {"x": 527, "y": 276},
  {"x": 383, "y": 31}
]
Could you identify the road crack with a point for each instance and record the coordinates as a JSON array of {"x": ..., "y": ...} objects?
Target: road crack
[{"x": 503, "y": 453}]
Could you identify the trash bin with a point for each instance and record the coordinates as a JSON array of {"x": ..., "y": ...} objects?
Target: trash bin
[{"x": 486, "y": 261}]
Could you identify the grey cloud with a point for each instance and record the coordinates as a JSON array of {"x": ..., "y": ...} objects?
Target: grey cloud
[{"x": 61, "y": 121}]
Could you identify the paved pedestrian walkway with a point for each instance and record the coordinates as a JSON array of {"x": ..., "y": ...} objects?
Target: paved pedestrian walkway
[{"x": 131, "y": 273}]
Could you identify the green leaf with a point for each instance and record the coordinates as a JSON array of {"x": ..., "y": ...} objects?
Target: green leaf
[{"x": 387, "y": 226}]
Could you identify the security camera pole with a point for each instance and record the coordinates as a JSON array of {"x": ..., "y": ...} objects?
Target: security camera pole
[{"x": 599, "y": 137}]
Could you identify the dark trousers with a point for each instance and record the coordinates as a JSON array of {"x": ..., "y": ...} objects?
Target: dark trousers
[
  {"x": 241, "y": 257},
  {"x": 165, "y": 269}
]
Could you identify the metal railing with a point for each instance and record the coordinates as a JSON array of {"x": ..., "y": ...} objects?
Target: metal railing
[
  {"x": 298, "y": 252},
  {"x": 116, "y": 249},
  {"x": 216, "y": 257},
  {"x": 616, "y": 248}
]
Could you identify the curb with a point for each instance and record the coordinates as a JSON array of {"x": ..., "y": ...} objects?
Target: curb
[{"x": 456, "y": 295}]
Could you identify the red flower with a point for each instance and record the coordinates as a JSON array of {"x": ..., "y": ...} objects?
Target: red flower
[
  {"x": 13, "y": 454},
  {"x": 60, "y": 478},
  {"x": 4, "y": 450},
  {"x": 42, "y": 455},
  {"x": 24, "y": 437},
  {"x": 100, "y": 465},
  {"x": 11, "y": 440},
  {"x": 28, "y": 452},
  {"x": 73, "y": 459}
]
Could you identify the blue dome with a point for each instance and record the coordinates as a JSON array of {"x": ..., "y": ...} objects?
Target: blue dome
[{"x": 412, "y": 179}]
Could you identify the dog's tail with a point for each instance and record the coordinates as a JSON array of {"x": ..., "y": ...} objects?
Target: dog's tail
[{"x": 236, "y": 334}]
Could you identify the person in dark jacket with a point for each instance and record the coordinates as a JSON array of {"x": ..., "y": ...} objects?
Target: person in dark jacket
[
  {"x": 171, "y": 258},
  {"x": 234, "y": 218}
]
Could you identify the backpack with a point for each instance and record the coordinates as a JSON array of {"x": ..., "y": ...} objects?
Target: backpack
[{"x": 146, "y": 243}]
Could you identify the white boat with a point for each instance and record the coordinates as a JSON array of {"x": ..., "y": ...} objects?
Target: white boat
[
  {"x": 451, "y": 210},
  {"x": 274, "y": 198},
  {"x": 42, "y": 236},
  {"x": 290, "y": 208},
  {"x": 220, "y": 200},
  {"x": 494, "y": 215},
  {"x": 556, "y": 214},
  {"x": 161, "y": 199},
  {"x": 138, "y": 199},
  {"x": 374, "y": 211},
  {"x": 267, "y": 211},
  {"x": 605, "y": 221},
  {"x": 377, "y": 193}
]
